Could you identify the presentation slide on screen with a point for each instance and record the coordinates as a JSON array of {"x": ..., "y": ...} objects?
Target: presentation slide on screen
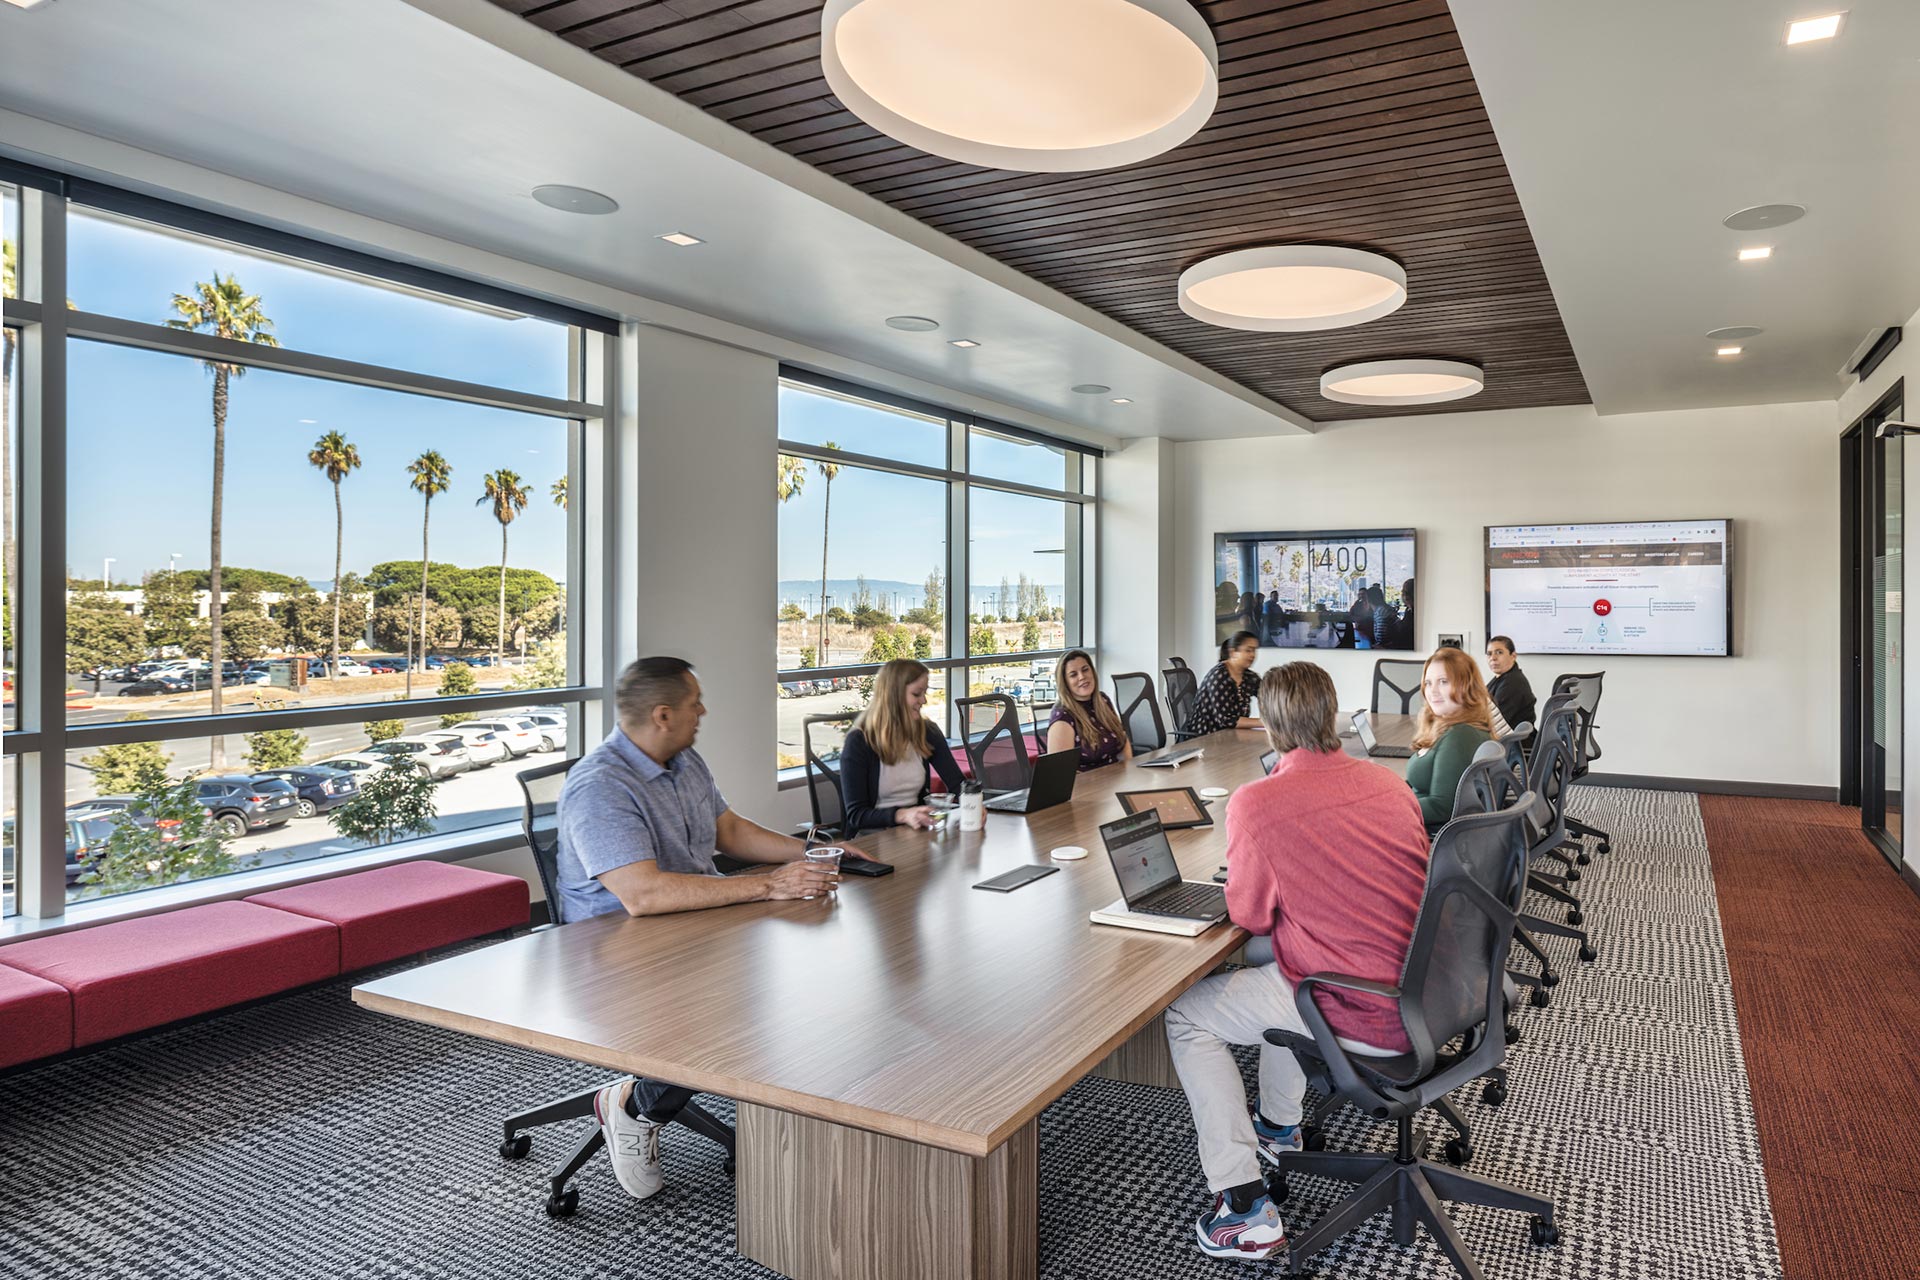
[{"x": 1649, "y": 588}]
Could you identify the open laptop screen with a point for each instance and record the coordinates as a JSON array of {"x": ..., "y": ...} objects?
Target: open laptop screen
[
  {"x": 1363, "y": 725},
  {"x": 1142, "y": 858}
]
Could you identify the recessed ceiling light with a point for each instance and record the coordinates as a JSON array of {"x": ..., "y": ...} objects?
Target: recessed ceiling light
[
  {"x": 1735, "y": 332},
  {"x": 1763, "y": 217},
  {"x": 1293, "y": 288},
  {"x": 965, "y": 344},
  {"x": 1756, "y": 253},
  {"x": 1727, "y": 351},
  {"x": 1121, "y": 400},
  {"x": 574, "y": 199},
  {"x": 1060, "y": 87},
  {"x": 1824, "y": 27},
  {"x": 681, "y": 238},
  {"x": 25, "y": 4},
  {"x": 1390, "y": 382},
  {"x": 1091, "y": 388},
  {"x": 912, "y": 324}
]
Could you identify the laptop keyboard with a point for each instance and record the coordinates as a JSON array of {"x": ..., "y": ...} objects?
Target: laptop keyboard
[
  {"x": 1184, "y": 900},
  {"x": 1014, "y": 800}
]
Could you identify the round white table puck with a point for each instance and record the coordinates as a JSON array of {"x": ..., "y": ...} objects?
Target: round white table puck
[
  {"x": 1068, "y": 853},
  {"x": 1214, "y": 793}
]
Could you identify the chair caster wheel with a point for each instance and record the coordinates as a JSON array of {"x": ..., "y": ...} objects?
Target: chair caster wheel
[
  {"x": 1583, "y": 858},
  {"x": 1588, "y": 953},
  {"x": 1544, "y": 1233},
  {"x": 1540, "y": 999},
  {"x": 1513, "y": 1033},
  {"x": 1573, "y": 875},
  {"x": 563, "y": 1204},
  {"x": 1549, "y": 979},
  {"x": 1606, "y": 846},
  {"x": 1313, "y": 1138},
  {"x": 1494, "y": 1094},
  {"x": 1574, "y": 916},
  {"x": 1458, "y": 1151},
  {"x": 728, "y": 1166},
  {"x": 516, "y": 1147},
  {"x": 1277, "y": 1186}
]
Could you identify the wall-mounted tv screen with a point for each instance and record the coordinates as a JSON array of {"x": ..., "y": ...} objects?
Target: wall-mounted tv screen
[
  {"x": 1341, "y": 589},
  {"x": 1648, "y": 587}
]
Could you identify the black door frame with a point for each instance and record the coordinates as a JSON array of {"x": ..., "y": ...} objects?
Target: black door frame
[{"x": 1863, "y": 780}]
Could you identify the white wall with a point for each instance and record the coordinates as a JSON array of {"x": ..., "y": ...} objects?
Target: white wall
[
  {"x": 1904, "y": 363},
  {"x": 1768, "y": 715},
  {"x": 1137, "y": 565}
]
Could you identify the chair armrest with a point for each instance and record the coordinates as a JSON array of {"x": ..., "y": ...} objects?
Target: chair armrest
[{"x": 1349, "y": 983}]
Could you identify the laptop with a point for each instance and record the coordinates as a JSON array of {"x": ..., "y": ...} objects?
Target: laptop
[
  {"x": 1171, "y": 756},
  {"x": 1150, "y": 882},
  {"x": 1053, "y": 776},
  {"x": 1363, "y": 725}
]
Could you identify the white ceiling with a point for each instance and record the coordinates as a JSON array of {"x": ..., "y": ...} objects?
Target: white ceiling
[
  {"x": 394, "y": 112},
  {"x": 1632, "y": 127}
]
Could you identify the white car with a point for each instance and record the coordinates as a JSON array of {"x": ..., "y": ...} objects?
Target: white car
[
  {"x": 359, "y": 763},
  {"x": 518, "y": 733},
  {"x": 348, "y": 667},
  {"x": 484, "y": 746},
  {"x": 442, "y": 757},
  {"x": 552, "y": 728}
]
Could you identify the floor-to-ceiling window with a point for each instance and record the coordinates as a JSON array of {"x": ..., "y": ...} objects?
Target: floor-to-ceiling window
[
  {"x": 290, "y": 523},
  {"x": 910, "y": 531}
]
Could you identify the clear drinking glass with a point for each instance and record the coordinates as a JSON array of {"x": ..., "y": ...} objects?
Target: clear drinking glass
[{"x": 827, "y": 855}]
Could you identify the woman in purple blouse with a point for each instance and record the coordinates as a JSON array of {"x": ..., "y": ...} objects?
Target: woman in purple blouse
[{"x": 1084, "y": 718}]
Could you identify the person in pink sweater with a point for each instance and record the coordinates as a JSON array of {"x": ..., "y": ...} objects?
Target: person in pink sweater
[{"x": 1327, "y": 857}]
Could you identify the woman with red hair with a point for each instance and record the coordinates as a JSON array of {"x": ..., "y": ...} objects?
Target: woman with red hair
[{"x": 1456, "y": 719}]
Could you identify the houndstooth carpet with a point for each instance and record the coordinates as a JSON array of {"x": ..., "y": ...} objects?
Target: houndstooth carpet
[{"x": 307, "y": 1138}]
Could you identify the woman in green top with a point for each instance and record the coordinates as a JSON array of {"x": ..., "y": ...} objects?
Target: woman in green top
[{"x": 1457, "y": 718}]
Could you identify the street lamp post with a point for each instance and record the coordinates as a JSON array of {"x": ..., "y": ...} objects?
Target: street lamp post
[
  {"x": 172, "y": 556},
  {"x": 106, "y": 575}
]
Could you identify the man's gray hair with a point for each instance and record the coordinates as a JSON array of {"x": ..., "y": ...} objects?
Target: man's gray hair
[{"x": 650, "y": 683}]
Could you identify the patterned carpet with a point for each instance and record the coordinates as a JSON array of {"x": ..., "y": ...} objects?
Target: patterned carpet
[{"x": 306, "y": 1138}]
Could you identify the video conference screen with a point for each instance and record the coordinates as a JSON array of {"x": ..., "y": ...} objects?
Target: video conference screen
[
  {"x": 1343, "y": 589},
  {"x": 1649, "y": 587}
]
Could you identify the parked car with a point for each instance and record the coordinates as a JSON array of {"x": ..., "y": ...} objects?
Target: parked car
[
  {"x": 351, "y": 667},
  {"x": 381, "y": 667},
  {"x": 358, "y": 765},
  {"x": 317, "y": 788},
  {"x": 240, "y": 806},
  {"x": 101, "y": 805},
  {"x": 392, "y": 665},
  {"x": 484, "y": 746},
  {"x": 551, "y": 727},
  {"x": 434, "y": 662},
  {"x": 442, "y": 757},
  {"x": 518, "y": 733}
]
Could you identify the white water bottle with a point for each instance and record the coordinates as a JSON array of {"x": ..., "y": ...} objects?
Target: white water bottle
[{"x": 973, "y": 806}]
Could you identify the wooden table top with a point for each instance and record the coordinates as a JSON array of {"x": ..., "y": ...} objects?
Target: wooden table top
[{"x": 914, "y": 1006}]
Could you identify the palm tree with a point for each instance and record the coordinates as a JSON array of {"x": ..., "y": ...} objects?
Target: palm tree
[
  {"x": 336, "y": 458},
  {"x": 559, "y": 492},
  {"x": 791, "y": 479},
  {"x": 432, "y": 474},
  {"x": 225, "y": 310},
  {"x": 829, "y": 470},
  {"x": 509, "y": 499}
]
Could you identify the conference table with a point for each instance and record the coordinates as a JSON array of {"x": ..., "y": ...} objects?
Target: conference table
[{"x": 890, "y": 1047}]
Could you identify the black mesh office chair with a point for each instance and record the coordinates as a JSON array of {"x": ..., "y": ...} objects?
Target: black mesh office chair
[
  {"x": 1182, "y": 687},
  {"x": 1551, "y": 779},
  {"x": 1450, "y": 989},
  {"x": 541, "y": 791},
  {"x": 1586, "y": 693},
  {"x": 996, "y": 745},
  {"x": 823, "y": 779},
  {"x": 1139, "y": 711},
  {"x": 1177, "y": 661},
  {"x": 1399, "y": 680}
]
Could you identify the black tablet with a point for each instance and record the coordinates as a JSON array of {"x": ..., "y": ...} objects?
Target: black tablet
[{"x": 1177, "y": 806}]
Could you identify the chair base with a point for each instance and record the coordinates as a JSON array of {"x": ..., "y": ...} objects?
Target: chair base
[
  {"x": 1414, "y": 1190},
  {"x": 562, "y": 1199}
]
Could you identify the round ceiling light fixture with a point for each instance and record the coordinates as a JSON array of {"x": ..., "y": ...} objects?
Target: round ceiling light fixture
[
  {"x": 1734, "y": 332},
  {"x": 574, "y": 199},
  {"x": 912, "y": 324},
  {"x": 1762, "y": 217},
  {"x": 1060, "y": 87},
  {"x": 1293, "y": 288},
  {"x": 1091, "y": 388},
  {"x": 1391, "y": 382}
]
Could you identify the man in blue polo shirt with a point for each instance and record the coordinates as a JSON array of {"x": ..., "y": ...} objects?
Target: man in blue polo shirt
[{"x": 640, "y": 821}]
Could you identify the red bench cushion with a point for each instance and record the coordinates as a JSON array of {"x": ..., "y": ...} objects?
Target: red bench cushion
[
  {"x": 37, "y": 1017},
  {"x": 406, "y": 909},
  {"x": 134, "y": 974},
  {"x": 1035, "y": 743}
]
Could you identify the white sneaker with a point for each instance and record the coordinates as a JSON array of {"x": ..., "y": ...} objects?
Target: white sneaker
[{"x": 633, "y": 1145}]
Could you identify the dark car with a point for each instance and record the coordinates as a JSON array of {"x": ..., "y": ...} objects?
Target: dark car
[
  {"x": 191, "y": 682},
  {"x": 86, "y": 841},
  {"x": 316, "y": 789},
  {"x": 240, "y": 805}
]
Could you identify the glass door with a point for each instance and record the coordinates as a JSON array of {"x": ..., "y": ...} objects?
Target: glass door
[
  {"x": 1888, "y": 642},
  {"x": 1873, "y": 543}
]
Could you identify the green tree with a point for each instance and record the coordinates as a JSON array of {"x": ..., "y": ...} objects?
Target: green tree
[
  {"x": 982, "y": 642},
  {"x": 183, "y": 842},
  {"x": 394, "y": 626},
  {"x": 1030, "y": 635},
  {"x": 430, "y": 475},
  {"x": 250, "y": 633},
  {"x": 128, "y": 768},
  {"x": 933, "y": 607},
  {"x": 392, "y": 804},
  {"x": 869, "y": 617},
  {"x": 224, "y": 310},
  {"x": 378, "y": 731},
  {"x": 101, "y": 633},
  {"x": 545, "y": 620},
  {"x": 828, "y": 470},
  {"x": 303, "y": 619},
  {"x": 808, "y": 658},
  {"x": 791, "y": 612},
  {"x": 545, "y": 668},
  {"x": 922, "y": 646},
  {"x": 276, "y": 749},
  {"x": 837, "y": 614},
  {"x": 456, "y": 681},
  {"x": 169, "y": 609},
  {"x": 508, "y": 496},
  {"x": 558, "y": 491},
  {"x": 335, "y": 458}
]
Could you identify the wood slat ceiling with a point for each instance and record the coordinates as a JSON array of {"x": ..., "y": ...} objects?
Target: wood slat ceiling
[{"x": 1340, "y": 121}]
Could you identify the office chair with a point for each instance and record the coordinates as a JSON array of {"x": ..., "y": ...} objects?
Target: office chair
[
  {"x": 1451, "y": 987},
  {"x": 823, "y": 780},
  {"x": 1401, "y": 677},
  {"x": 1586, "y": 692},
  {"x": 541, "y": 791},
  {"x": 1517, "y": 744},
  {"x": 1139, "y": 711},
  {"x": 996, "y": 745},
  {"x": 1177, "y": 661},
  {"x": 1550, "y": 780},
  {"x": 1182, "y": 688}
]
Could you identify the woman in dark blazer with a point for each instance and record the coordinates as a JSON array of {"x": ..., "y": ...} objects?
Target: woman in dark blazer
[{"x": 884, "y": 761}]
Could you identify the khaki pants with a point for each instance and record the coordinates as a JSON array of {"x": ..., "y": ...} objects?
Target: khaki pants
[{"x": 1229, "y": 1009}]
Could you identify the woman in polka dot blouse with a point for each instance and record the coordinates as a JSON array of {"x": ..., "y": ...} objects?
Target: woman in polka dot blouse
[{"x": 1223, "y": 697}]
